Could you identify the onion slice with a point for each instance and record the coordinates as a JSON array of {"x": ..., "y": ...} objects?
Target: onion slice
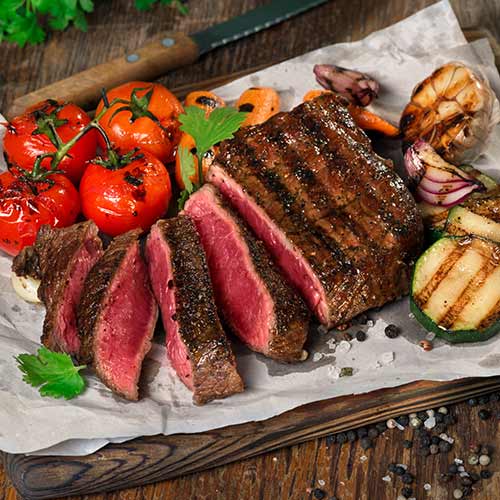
[{"x": 437, "y": 182}]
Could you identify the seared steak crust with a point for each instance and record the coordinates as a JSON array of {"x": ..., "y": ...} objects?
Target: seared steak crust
[
  {"x": 347, "y": 212},
  {"x": 211, "y": 357},
  {"x": 53, "y": 259}
]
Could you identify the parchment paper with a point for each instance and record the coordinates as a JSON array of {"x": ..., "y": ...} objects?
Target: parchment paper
[{"x": 398, "y": 57}]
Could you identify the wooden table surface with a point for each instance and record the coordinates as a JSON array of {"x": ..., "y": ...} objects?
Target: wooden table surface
[{"x": 347, "y": 472}]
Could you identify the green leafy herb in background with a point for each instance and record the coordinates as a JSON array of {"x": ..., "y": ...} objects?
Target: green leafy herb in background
[
  {"x": 25, "y": 21},
  {"x": 206, "y": 132},
  {"x": 54, "y": 373}
]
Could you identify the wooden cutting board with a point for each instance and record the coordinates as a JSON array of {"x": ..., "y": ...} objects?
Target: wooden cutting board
[{"x": 150, "y": 459}]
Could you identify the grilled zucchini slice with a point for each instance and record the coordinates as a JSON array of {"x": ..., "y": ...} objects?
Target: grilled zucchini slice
[
  {"x": 477, "y": 216},
  {"x": 489, "y": 183},
  {"x": 456, "y": 289}
]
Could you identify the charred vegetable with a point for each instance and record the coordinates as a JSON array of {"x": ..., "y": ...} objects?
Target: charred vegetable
[
  {"x": 358, "y": 88},
  {"x": 260, "y": 103},
  {"x": 456, "y": 289},
  {"x": 454, "y": 109},
  {"x": 438, "y": 182}
]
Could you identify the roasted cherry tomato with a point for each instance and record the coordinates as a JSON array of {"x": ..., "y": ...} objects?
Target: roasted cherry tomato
[
  {"x": 125, "y": 193},
  {"x": 32, "y": 134},
  {"x": 146, "y": 118},
  {"x": 260, "y": 103},
  {"x": 27, "y": 205}
]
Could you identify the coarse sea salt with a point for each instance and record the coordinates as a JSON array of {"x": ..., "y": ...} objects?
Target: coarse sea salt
[
  {"x": 317, "y": 356},
  {"x": 332, "y": 344},
  {"x": 334, "y": 372},
  {"x": 343, "y": 347}
]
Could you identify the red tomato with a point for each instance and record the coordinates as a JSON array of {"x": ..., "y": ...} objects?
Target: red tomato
[
  {"x": 148, "y": 122},
  {"x": 25, "y": 206},
  {"x": 135, "y": 195},
  {"x": 23, "y": 144}
]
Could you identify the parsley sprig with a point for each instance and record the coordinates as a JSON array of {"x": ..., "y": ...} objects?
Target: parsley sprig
[
  {"x": 22, "y": 21},
  {"x": 207, "y": 131},
  {"x": 53, "y": 373}
]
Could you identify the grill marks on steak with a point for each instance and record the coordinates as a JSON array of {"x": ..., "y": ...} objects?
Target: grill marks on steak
[
  {"x": 61, "y": 259},
  {"x": 256, "y": 302},
  {"x": 117, "y": 315},
  {"x": 337, "y": 219},
  {"x": 196, "y": 343}
]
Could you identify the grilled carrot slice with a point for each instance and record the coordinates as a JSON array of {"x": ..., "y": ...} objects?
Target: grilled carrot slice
[
  {"x": 260, "y": 103},
  {"x": 188, "y": 142},
  {"x": 312, "y": 94},
  {"x": 205, "y": 100},
  {"x": 370, "y": 121}
]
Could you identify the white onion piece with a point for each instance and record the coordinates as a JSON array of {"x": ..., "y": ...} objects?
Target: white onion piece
[{"x": 26, "y": 287}]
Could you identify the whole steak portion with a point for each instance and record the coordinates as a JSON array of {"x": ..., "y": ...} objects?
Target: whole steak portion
[
  {"x": 196, "y": 343},
  {"x": 260, "y": 307},
  {"x": 336, "y": 218},
  {"x": 61, "y": 259},
  {"x": 117, "y": 315}
]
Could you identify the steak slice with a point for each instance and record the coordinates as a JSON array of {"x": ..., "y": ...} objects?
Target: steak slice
[
  {"x": 336, "y": 218},
  {"x": 257, "y": 303},
  {"x": 61, "y": 259},
  {"x": 117, "y": 315},
  {"x": 196, "y": 343}
]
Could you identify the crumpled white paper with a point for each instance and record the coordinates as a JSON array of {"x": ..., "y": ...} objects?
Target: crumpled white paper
[{"x": 398, "y": 57}]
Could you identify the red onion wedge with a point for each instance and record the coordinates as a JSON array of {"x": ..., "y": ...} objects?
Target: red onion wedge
[{"x": 437, "y": 182}]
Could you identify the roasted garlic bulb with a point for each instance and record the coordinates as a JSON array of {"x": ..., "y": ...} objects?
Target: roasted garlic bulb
[
  {"x": 454, "y": 110},
  {"x": 26, "y": 287}
]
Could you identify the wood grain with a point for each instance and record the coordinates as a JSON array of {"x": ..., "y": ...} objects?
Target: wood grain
[
  {"x": 151, "y": 459},
  {"x": 115, "y": 28}
]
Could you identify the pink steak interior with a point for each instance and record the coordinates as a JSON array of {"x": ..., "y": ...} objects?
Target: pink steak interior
[
  {"x": 239, "y": 291},
  {"x": 296, "y": 268},
  {"x": 66, "y": 331},
  {"x": 160, "y": 270},
  {"x": 124, "y": 335}
]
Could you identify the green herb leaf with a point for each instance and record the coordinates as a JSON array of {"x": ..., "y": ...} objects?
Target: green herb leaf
[
  {"x": 187, "y": 168},
  {"x": 208, "y": 131},
  {"x": 53, "y": 372}
]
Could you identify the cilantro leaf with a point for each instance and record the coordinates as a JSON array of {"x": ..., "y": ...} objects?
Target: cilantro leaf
[
  {"x": 207, "y": 131},
  {"x": 220, "y": 124},
  {"x": 53, "y": 372}
]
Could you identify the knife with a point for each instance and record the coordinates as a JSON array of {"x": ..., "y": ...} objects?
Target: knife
[{"x": 153, "y": 60}]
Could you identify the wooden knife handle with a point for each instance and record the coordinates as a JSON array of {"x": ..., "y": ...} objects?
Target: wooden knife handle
[{"x": 149, "y": 62}]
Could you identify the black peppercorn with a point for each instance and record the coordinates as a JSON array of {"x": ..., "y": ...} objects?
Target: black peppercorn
[
  {"x": 407, "y": 444},
  {"x": 366, "y": 443},
  {"x": 392, "y": 467},
  {"x": 392, "y": 331},
  {"x": 495, "y": 397},
  {"x": 351, "y": 436},
  {"x": 453, "y": 469},
  {"x": 472, "y": 402},
  {"x": 407, "y": 478},
  {"x": 439, "y": 418},
  {"x": 360, "y": 336},
  {"x": 373, "y": 432},
  {"x": 422, "y": 416},
  {"x": 474, "y": 476},
  {"x": 425, "y": 441},
  {"x": 484, "y": 414},
  {"x": 486, "y": 474},
  {"x": 381, "y": 427},
  {"x": 407, "y": 492},
  {"x": 399, "y": 471},
  {"x": 435, "y": 440},
  {"x": 440, "y": 428},
  {"x": 466, "y": 480},
  {"x": 319, "y": 494},
  {"x": 424, "y": 452},
  {"x": 331, "y": 439},
  {"x": 449, "y": 419},
  {"x": 341, "y": 438},
  {"x": 403, "y": 420}
]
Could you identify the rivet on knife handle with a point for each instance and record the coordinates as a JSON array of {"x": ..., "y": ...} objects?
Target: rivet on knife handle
[{"x": 147, "y": 63}]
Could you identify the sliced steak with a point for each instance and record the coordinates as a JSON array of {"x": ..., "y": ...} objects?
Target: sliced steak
[
  {"x": 335, "y": 216},
  {"x": 196, "y": 343},
  {"x": 117, "y": 315},
  {"x": 61, "y": 259},
  {"x": 257, "y": 303}
]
